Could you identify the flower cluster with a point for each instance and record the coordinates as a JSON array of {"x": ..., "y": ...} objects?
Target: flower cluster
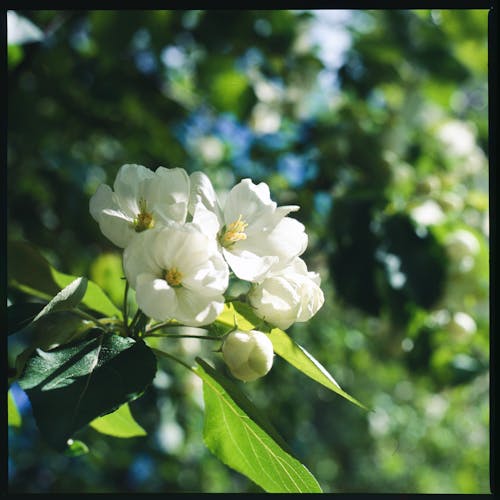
[{"x": 181, "y": 243}]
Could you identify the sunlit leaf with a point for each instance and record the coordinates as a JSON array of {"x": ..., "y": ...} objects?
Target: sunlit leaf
[
  {"x": 284, "y": 346},
  {"x": 72, "y": 385},
  {"x": 94, "y": 299},
  {"x": 30, "y": 272},
  {"x": 120, "y": 423},
  {"x": 68, "y": 298},
  {"x": 298, "y": 357},
  {"x": 107, "y": 272},
  {"x": 14, "y": 417},
  {"x": 232, "y": 434}
]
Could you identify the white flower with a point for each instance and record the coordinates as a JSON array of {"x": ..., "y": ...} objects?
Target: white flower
[
  {"x": 177, "y": 273},
  {"x": 254, "y": 234},
  {"x": 141, "y": 200},
  {"x": 249, "y": 355},
  {"x": 287, "y": 295}
]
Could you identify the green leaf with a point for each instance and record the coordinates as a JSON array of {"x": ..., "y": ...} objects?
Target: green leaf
[
  {"x": 14, "y": 417},
  {"x": 237, "y": 434},
  {"x": 72, "y": 385},
  {"x": 107, "y": 272},
  {"x": 94, "y": 298},
  {"x": 68, "y": 298},
  {"x": 120, "y": 423},
  {"x": 31, "y": 273},
  {"x": 298, "y": 357},
  {"x": 284, "y": 346},
  {"x": 22, "y": 314},
  {"x": 50, "y": 331}
]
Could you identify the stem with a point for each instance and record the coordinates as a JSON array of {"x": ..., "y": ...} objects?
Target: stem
[
  {"x": 135, "y": 319},
  {"x": 159, "y": 326},
  {"x": 125, "y": 307},
  {"x": 180, "y": 336},
  {"x": 89, "y": 317}
]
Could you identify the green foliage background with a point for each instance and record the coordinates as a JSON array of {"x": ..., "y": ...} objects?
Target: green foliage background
[{"x": 384, "y": 147}]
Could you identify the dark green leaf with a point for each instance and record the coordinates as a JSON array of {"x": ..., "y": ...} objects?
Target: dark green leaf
[
  {"x": 50, "y": 331},
  {"x": 29, "y": 270},
  {"x": 72, "y": 385},
  {"x": 20, "y": 315},
  {"x": 232, "y": 433}
]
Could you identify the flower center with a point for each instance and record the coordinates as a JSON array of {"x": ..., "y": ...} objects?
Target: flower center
[
  {"x": 144, "y": 219},
  {"x": 173, "y": 277},
  {"x": 233, "y": 233}
]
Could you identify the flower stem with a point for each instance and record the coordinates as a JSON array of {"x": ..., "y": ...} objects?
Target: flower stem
[
  {"x": 159, "y": 326},
  {"x": 180, "y": 336},
  {"x": 125, "y": 307}
]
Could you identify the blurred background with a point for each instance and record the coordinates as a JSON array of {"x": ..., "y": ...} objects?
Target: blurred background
[{"x": 376, "y": 124}]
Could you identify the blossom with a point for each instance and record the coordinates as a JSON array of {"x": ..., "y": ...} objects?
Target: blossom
[
  {"x": 287, "y": 295},
  {"x": 249, "y": 355},
  {"x": 141, "y": 200},
  {"x": 252, "y": 231},
  {"x": 177, "y": 273}
]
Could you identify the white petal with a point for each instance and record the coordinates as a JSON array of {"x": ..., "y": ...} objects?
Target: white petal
[
  {"x": 129, "y": 186},
  {"x": 182, "y": 247},
  {"x": 252, "y": 202},
  {"x": 138, "y": 258},
  {"x": 276, "y": 301},
  {"x": 167, "y": 194},
  {"x": 247, "y": 265},
  {"x": 288, "y": 240},
  {"x": 196, "y": 310},
  {"x": 113, "y": 222},
  {"x": 101, "y": 199},
  {"x": 209, "y": 278},
  {"x": 312, "y": 299},
  {"x": 205, "y": 221},
  {"x": 155, "y": 297},
  {"x": 202, "y": 192}
]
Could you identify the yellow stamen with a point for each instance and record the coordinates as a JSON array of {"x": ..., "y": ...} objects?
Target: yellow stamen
[
  {"x": 144, "y": 219},
  {"x": 234, "y": 232},
  {"x": 173, "y": 277}
]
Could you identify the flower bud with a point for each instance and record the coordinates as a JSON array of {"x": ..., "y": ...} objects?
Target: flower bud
[{"x": 249, "y": 355}]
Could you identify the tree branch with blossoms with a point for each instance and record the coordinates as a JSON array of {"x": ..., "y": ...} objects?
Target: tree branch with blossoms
[{"x": 182, "y": 249}]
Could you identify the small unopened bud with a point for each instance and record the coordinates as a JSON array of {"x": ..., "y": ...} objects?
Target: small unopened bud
[{"x": 249, "y": 355}]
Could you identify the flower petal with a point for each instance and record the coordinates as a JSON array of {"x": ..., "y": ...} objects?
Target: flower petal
[
  {"x": 138, "y": 258},
  {"x": 167, "y": 194},
  {"x": 129, "y": 186},
  {"x": 196, "y": 310},
  {"x": 114, "y": 223},
  {"x": 202, "y": 192},
  {"x": 247, "y": 265},
  {"x": 155, "y": 297}
]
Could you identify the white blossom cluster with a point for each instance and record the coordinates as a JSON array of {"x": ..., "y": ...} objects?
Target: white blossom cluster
[{"x": 180, "y": 244}]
